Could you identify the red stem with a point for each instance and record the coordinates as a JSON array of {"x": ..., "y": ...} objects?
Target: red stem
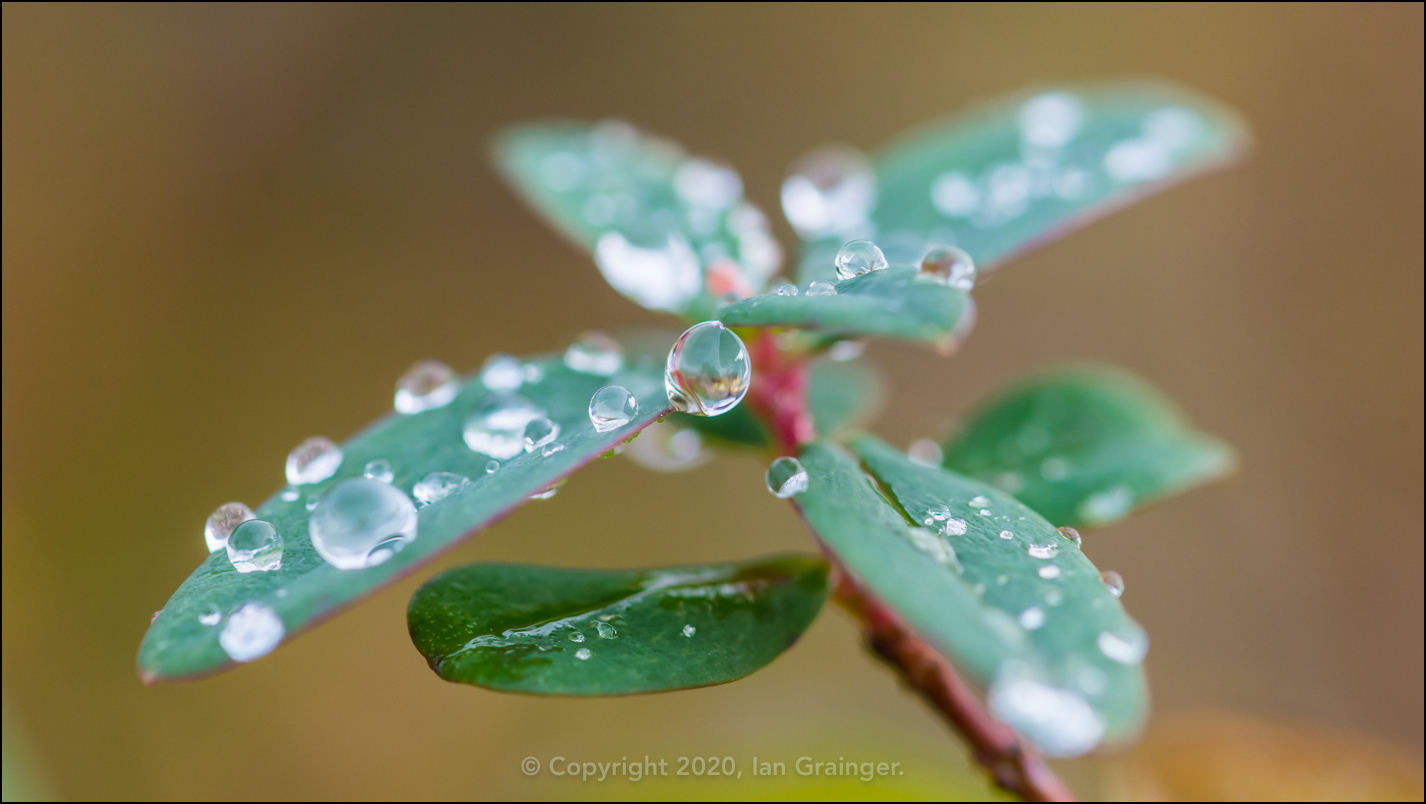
[{"x": 779, "y": 392}]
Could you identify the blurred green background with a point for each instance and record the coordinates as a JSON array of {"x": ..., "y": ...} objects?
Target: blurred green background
[{"x": 227, "y": 228}]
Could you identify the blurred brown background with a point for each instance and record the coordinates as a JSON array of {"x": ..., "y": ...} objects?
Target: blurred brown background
[{"x": 227, "y": 228}]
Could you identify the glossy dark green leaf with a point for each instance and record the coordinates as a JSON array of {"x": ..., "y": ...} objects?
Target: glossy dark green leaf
[
  {"x": 892, "y": 303},
  {"x": 559, "y": 631},
  {"x": 1049, "y": 645},
  {"x": 1084, "y": 445},
  {"x": 1018, "y": 172},
  {"x": 669, "y": 231},
  {"x": 306, "y": 589}
]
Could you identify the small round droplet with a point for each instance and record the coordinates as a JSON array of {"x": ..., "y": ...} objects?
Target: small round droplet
[
  {"x": 857, "y": 257},
  {"x": 313, "y": 461},
  {"x": 925, "y": 452},
  {"x": 575, "y": 636},
  {"x": 437, "y": 486},
  {"x": 501, "y": 373},
  {"x": 379, "y": 469},
  {"x": 426, "y": 385},
  {"x": 1032, "y": 618},
  {"x": 689, "y": 630},
  {"x": 612, "y": 407},
  {"x": 595, "y": 353},
  {"x": 1042, "y": 551},
  {"x": 939, "y": 512},
  {"x": 290, "y": 495},
  {"x": 1113, "y": 581},
  {"x": 362, "y": 523},
  {"x": 954, "y": 527},
  {"x": 1049, "y": 572},
  {"x": 979, "y": 501},
  {"x": 949, "y": 266},
  {"x": 491, "y": 467},
  {"x": 497, "y": 426},
  {"x": 787, "y": 290},
  {"x": 221, "y": 523},
  {"x": 786, "y": 477},
  {"x": 708, "y": 370},
  {"x": 255, "y": 546},
  {"x": 1073, "y": 535},
  {"x": 539, "y": 432},
  {"x": 1005, "y": 534},
  {"x": 211, "y": 615},
  {"x": 583, "y": 654},
  {"x": 251, "y": 632},
  {"x": 606, "y": 630},
  {"x": 821, "y": 287},
  {"x": 313, "y": 501}
]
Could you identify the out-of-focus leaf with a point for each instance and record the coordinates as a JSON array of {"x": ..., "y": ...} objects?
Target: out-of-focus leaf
[
  {"x": 669, "y": 231},
  {"x": 1018, "y": 172},
  {"x": 844, "y": 395},
  {"x": 1083, "y": 445},
  {"x": 553, "y": 630},
  {"x": 892, "y": 303},
  {"x": 960, "y": 562},
  {"x": 306, "y": 589}
]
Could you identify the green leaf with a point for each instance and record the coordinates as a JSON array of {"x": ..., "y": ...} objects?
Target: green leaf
[
  {"x": 1034, "y": 639},
  {"x": 1019, "y": 172},
  {"x": 669, "y": 231},
  {"x": 560, "y": 631},
  {"x": 1084, "y": 445},
  {"x": 844, "y": 395},
  {"x": 893, "y": 303},
  {"x": 305, "y": 589}
]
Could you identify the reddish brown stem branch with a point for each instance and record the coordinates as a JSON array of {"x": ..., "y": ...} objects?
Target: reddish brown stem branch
[{"x": 779, "y": 392}]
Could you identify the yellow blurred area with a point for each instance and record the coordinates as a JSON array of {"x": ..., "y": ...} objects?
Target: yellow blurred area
[{"x": 229, "y": 227}]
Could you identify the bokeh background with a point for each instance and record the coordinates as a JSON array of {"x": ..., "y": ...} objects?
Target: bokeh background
[{"x": 227, "y": 228}]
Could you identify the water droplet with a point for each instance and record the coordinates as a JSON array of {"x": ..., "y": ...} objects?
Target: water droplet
[
  {"x": 548, "y": 491},
  {"x": 843, "y": 351},
  {"x": 313, "y": 501},
  {"x": 251, "y": 632},
  {"x": 426, "y": 385},
  {"x": 786, "y": 477},
  {"x": 583, "y": 654},
  {"x": 939, "y": 513},
  {"x": 595, "y": 353},
  {"x": 539, "y": 432},
  {"x": 857, "y": 257},
  {"x": 1113, "y": 581},
  {"x": 984, "y": 512},
  {"x": 1050, "y": 120},
  {"x": 829, "y": 191},
  {"x": 606, "y": 630},
  {"x": 979, "y": 501},
  {"x": 949, "y": 266},
  {"x": 665, "y": 447},
  {"x": 437, "y": 486},
  {"x": 689, "y": 630},
  {"x": 787, "y": 290},
  {"x": 1073, "y": 535},
  {"x": 1138, "y": 159},
  {"x": 706, "y": 184},
  {"x": 313, "y": 461},
  {"x": 661, "y": 273},
  {"x": 290, "y": 495},
  {"x": 501, "y": 372},
  {"x": 1107, "y": 505},
  {"x": 612, "y": 407},
  {"x": 221, "y": 523},
  {"x": 497, "y": 426},
  {"x": 575, "y": 636},
  {"x": 1049, "y": 573},
  {"x": 708, "y": 370},
  {"x": 1043, "y": 551},
  {"x": 255, "y": 546},
  {"x": 821, "y": 287},
  {"x": 1125, "y": 651},
  {"x": 491, "y": 467},
  {"x": 211, "y": 615},
  {"x": 954, "y": 527},
  {"x": 1058, "y": 722},
  {"x": 1005, "y": 534},
  {"x": 379, "y": 469},
  {"x": 362, "y": 523},
  {"x": 925, "y": 452},
  {"x": 1032, "y": 618},
  {"x": 954, "y": 195}
]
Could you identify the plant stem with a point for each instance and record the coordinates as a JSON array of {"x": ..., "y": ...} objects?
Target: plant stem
[
  {"x": 1012, "y": 764},
  {"x": 779, "y": 392}
]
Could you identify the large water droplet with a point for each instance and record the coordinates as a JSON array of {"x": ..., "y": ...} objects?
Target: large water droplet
[
  {"x": 708, "y": 370},
  {"x": 661, "y": 273},
  {"x": 501, "y": 372},
  {"x": 1060, "y": 723},
  {"x": 665, "y": 447},
  {"x": 379, "y": 469},
  {"x": 438, "y": 486},
  {"x": 857, "y": 257},
  {"x": 1130, "y": 650},
  {"x": 497, "y": 426},
  {"x": 606, "y": 630},
  {"x": 426, "y": 385},
  {"x": 612, "y": 407},
  {"x": 361, "y": 523},
  {"x": 925, "y": 452},
  {"x": 583, "y": 654},
  {"x": 255, "y": 546},
  {"x": 786, "y": 477},
  {"x": 949, "y": 266},
  {"x": 539, "y": 432},
  {"x": 1043, "y": 551},
  {"x": 821, "y": 287},
  {"x": 829, "y": 191},
  {"x": 1073, "y": 535},
  {"x": 251, "y": 632},
  {"x": 595, "y": 353},
  {"x": 954, "y": 527},
  {"x": 313, "y": 461},
  {"x": 1113, "y": 581},
  {"x": 221, "y": 523}
]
